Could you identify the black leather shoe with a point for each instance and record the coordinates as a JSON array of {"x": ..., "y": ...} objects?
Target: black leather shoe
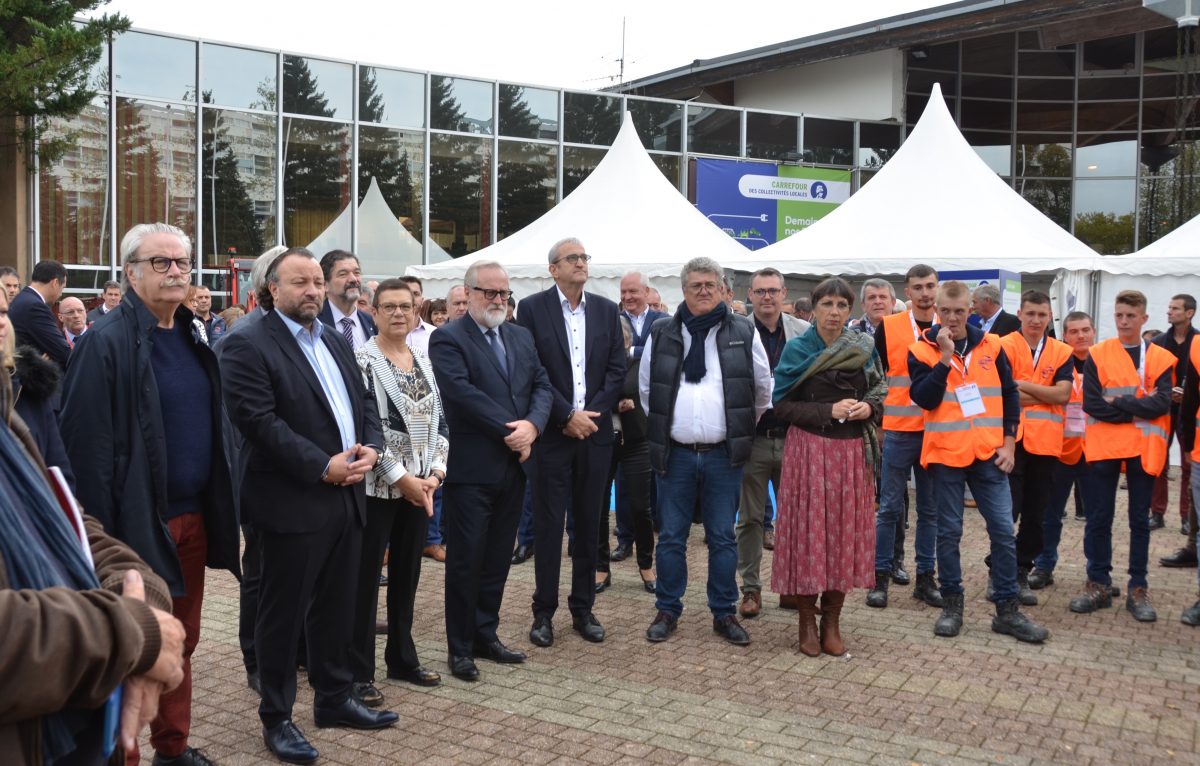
[
  {"x": 498, "y": 652},
  {"x": 542, "y": 632},
  {"x": 253, "y": 682},
  {"x": 1040, "y": 578},
  {"x": 662, "y": 627},
  {"x": 189, "y": 757},
  {"x": 353, "y": 715},
  {"x": 651, "y": 586},
  {"x": 420, "y": 675},
  {"x": 287, "y": 743},
  {"x": 731, "y": 630},
  {"x": 1156, "y": 521},
  {"x": 620, "y": 553},
  {"x": 1180, "y": 559},
  {"x": 522, "y": 554},
  {"x": 463, "y": 668},
  {"x": 604, "y": 584},
  {"x": 366, "y": 693},
  {"x": 587, "y": 626},
  {"x": 899, "y": 576}
]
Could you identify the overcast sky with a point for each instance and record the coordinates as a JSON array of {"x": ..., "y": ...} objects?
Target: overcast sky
[{"x": 527, "y": 41}]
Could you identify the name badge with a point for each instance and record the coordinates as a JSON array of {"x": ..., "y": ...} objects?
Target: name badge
[
  {"x": 969, "y": 400},
  {"x": 1076, "y": 422}
]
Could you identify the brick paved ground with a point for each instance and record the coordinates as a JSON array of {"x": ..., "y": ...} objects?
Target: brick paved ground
[{"x": 1104, "y": 689}]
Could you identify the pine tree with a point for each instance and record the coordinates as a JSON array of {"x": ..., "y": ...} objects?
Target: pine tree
[
  {"x": 315, "y": 177},
  {"x": 526, "y": 172},
  {"x": 46, "y": 60},
  {"x": 380, "y": 153},
  {"x": 231, "y": 221}
]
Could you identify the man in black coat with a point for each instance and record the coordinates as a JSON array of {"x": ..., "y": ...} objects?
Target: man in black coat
[
  {"x": 141, "y": 422},
  {"x": 31, "y": 314},
  {"x": 581, "y": 345},
  {"x": 311, "y": 433},
  {"x": 497, "y": 401},
  {"x": 986, "y": 301}
]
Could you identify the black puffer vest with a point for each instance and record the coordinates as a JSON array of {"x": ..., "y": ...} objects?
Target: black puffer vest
[{"x": 735, "y": 342}]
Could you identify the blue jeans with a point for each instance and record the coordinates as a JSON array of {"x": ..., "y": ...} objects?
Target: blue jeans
[
  {"x": 709, "y": 476},
  {"x": 1100, "y": 500},
  {"x": 433, "y": 533},
  {"x": 769, "y": 514},
  {"x": 902, "y": 454},
  {"x": 989, "y": 487},
  {"x": 1064, "y": 479}
]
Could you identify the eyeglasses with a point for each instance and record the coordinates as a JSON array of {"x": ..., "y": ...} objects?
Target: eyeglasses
[
  {"x": 763, "y": 291},
  {"x": 574, "y": 258},
  {"x": 162, "y": 264},
  {"x": 699, "y": 287},
  {"x": 492, "y": 295},
  {"x": 388, "y": 309}
]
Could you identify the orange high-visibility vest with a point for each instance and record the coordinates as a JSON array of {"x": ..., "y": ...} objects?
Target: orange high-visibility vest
[
  {"x": 950, "y": 438},
  {"x": 1072, "y": 449},
  {"x": 899, "y": 411},
  {"x": 1195, "y": 357},
  {"x": 1041, "y": 429},
  {"x": 1146, "y": 439}
]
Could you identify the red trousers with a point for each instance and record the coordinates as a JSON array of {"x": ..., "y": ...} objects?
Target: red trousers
[
  {"x": 1158, "y": 502},
  {"x": 169, "y": 729}
]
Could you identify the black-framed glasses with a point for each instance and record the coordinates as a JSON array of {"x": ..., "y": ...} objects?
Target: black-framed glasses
[
  {"x": 491, "y": 295},
  {"x": 388, "y": 309},
  {"x": 762, "y": 291},
  {"x": 574, "y": 258},
  {"x": 162, "y": 264}
]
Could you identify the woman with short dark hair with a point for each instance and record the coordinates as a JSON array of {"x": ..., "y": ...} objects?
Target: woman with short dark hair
[{"x": 829, "y": 386}]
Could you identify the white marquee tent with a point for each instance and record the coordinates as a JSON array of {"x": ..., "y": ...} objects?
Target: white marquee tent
[{"x": 628, "y": 216}]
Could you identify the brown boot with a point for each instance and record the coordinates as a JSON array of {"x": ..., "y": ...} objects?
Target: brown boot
[
  {"x": 810, "y": 642},
  {"x": 831, "y": 612},
  {"x": 787, "y": 601}
]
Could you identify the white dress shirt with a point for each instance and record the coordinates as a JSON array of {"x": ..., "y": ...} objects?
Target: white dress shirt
[
  {"x": 360, "y": 333},
  {"x": 637, "y": 320},
  {"x": 699, "y": 414},
  {"x": 575, "y": 320},
  {"x": 418, "y": 338}
]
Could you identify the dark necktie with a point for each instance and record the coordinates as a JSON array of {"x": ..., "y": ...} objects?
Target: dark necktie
[
  {"x": 348, "y": 330},
  {"x": 498, "y": 350}
]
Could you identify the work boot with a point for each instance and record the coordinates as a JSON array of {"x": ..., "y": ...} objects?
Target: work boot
[
  {"x": 831, "y": 632},
  {"x": 877, "y": 596},
  {"x": 926, "y": 590},
  {"x": 950, "y": 622},
  {"x": 1010, "y": 621},
  {"x": 1095, "y": 596},
  {"x": 1191, "y": 615},
  {"x": 1040, "y": 578},
  {"x": 1138, "y": 604},
  {"x": 1024, "y": 593},
  {"x": 810, "y": 640},
  {"x": 1184, "y": 558}
]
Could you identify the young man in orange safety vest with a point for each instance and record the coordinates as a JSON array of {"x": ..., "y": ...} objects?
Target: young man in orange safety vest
[
  {"x": 1189, "y": 408},
  {"x": 963, "y": 380},
  {"x": 1042, "y": 368},
  {"x": 1127, "y": 397}
]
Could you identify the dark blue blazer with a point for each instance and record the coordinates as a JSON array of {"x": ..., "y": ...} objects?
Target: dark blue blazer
[
  {"x": 604, "y": 357},
  {"x": 326, "y": 317},
  {"x": 273, "y": 398},
  {"x": 36, "y": 326},
  {"x": 639, "y": 339},
  {"x": 479, "y": 398}
]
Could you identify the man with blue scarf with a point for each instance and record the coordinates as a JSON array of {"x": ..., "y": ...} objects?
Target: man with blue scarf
[{"x": 705, "y": 380}]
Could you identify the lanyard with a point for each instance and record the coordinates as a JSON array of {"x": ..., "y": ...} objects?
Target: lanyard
[
  {"x": 1142, "y": 365},
  {"x": 912, "y": 318},
  {"x": 965, "y": 364},
  {"x": 1037, "y": 353}
]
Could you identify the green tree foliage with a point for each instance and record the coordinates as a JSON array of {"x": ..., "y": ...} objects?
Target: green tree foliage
[
  {"x": 526, "y": 170},
  {"x": 459, "y": 172},
  {"x": 46, "y": 60},
  {"x": 314, "y": 169},
  {"x": 232, "y": 225},
  {"x": 381, "y": 154},
  {"x": 1106, "y": 233}
]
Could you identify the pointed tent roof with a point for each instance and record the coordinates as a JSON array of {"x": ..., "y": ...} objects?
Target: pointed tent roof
[
  {"x": 1177, "y": 254},
  {"x": 627, "y": 214},
  {"x": 935, "y": 202}
]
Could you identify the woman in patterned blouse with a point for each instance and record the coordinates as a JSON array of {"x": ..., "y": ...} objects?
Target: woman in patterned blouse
[{"x": 412, "y": 465}]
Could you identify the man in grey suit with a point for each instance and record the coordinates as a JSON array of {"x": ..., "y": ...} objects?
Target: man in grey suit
[{"x": 775, "y": 328}]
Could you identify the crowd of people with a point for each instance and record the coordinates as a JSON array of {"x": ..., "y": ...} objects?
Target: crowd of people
[{"x": 323, "y": 439}]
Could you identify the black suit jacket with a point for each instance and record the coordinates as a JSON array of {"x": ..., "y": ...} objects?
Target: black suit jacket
[
  {"x": 479, "y": 398},
  {"x": 640, "y": 338},
  {"x": 36, "y": 326},
  {"x": 1005, "y": 324},
  {"x": 604, "y": 357},
  {"x": 275, "y": 400},
  {"x": 326, "y": 316}
]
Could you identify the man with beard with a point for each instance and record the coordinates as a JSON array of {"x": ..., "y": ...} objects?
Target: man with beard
[
  {"x": 497, "y": 399},
  {"x": 343, "y": 286},
  {"x": 294, "y": 392}
]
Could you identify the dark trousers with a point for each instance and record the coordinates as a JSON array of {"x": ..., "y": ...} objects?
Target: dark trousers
[
  {"x": 574, "y": 472},
  {"x": 402, "y": 526},
  {"x": 307, "y": 586},
  {"x": 248, "y": 596},
  {"x": 481, "y": 525},
  {"x": 1100, "y": 499},
  {"x": 630, "y": 462},
  {"x": 1031, "y": 485}
]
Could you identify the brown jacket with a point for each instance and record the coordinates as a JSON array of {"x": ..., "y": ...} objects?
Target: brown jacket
[{"x": 67, "y": 648}]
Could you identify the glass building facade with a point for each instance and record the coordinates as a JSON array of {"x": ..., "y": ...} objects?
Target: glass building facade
[{"x": 245, "y": 148}]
